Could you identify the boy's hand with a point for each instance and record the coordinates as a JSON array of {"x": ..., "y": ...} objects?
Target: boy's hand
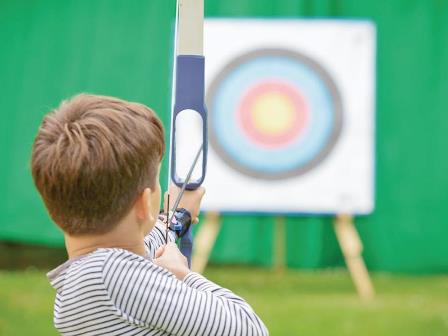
[
  {"x": 191, "y": 200},
  {"x": 170, "y": 258}
]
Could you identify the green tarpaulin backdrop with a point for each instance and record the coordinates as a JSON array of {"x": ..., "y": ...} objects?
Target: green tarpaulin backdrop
[{"x": 52, "y": 49}]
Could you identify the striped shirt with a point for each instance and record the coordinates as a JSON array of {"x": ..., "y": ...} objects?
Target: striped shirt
[{"x": 112, "y": 291}]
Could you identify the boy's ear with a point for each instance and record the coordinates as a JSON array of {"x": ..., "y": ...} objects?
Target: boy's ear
[{"x": 143, "y": 205}]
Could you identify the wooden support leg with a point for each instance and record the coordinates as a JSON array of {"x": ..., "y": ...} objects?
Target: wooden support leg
[
  {"x": 351, "y": 247},
  {"x": 279, "y": 244},
  {"x": 204, "y": 241}
]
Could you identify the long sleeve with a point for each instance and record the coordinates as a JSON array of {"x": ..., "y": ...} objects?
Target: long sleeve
[
  {"x": 150, "y": 297},
  {"x": 157, "y": 238}
]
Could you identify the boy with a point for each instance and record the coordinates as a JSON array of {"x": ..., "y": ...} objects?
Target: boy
[{"x": 96, "y": 163}]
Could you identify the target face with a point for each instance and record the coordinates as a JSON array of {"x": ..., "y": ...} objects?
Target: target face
[
  {"x": 291, "y": 116},
  {"x": 274, "y": 113}
]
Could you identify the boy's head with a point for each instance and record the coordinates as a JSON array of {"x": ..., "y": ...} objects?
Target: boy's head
[{"x": 93, "y": 157}]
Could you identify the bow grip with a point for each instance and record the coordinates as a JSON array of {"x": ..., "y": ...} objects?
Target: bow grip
[
  {"x": 189, "y": 95},
  {"x": 186, "y": 245}
]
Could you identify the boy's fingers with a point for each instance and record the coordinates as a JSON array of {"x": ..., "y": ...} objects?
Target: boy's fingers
[
  {"x": 171, "y": 245},
  {"x": 156, "y": 261},
  {"x": 159, "y": 251},
  {"x": 171, "y": 248}
]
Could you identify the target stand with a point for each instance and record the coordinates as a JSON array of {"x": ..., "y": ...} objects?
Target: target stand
[
  {"x": 346, "y": 233},
  {"x": 351, "y": 247}
]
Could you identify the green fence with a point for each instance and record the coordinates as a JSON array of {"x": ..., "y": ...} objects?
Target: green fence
[{"x": 54, "y": 49}]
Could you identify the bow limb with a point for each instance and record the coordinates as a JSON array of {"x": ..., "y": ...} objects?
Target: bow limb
[{"x": 188, "y": 93}]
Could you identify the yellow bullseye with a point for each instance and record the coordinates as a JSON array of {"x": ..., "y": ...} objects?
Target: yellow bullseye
[{"x": 272, "y": 113}]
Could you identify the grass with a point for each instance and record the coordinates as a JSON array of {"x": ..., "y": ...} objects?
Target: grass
[{"x": 290, "y": 302}]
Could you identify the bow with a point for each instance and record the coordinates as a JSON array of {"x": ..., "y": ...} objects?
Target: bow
[{"x": 188, "y": 108}]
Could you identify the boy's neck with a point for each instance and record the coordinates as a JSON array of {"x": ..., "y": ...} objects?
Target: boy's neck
[{"x": 125, "y": 235}]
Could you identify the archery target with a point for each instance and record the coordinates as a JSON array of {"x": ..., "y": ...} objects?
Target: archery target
[
  {"x": 290, "y": 116},
  {"x": 273, "y": 102}
]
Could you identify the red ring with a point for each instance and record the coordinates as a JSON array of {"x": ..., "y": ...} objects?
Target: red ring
[{"x": 277, "y": 140}]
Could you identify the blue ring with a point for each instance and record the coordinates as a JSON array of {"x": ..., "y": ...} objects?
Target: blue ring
[{"x": 275, "y": 161}]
